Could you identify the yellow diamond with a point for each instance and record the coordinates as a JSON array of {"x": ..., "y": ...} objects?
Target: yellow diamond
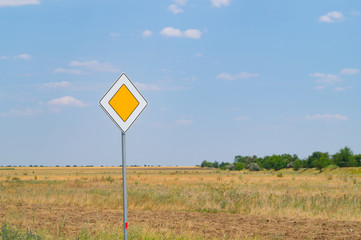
[{"x": 124, "y": 103}]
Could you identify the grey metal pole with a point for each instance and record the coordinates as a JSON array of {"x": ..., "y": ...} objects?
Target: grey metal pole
[{"x": 125, "y": 220}]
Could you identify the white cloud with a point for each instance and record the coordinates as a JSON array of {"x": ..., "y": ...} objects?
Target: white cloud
[
  {"x": 193, "y": 33},
  {"x": 69, "y": 71},
  {"x": 147, "y": 87},
  {"x": 242, "y": 75},
  {"x": 319, "y": 75},
  {"x": 146, "y": 33},
  {"x": 174, "y": 8},
  {"x": 23, "y": 57},
  {"x": 66, "y": 101},
  {"x": 62, "y": 84},
  {"x": 356, "y": 13},
  {"x": 20, "y": 56},
  {"x": 180, "y": 2},
  {"x": 92, "y": 65},
  {"x": 95, "y": 66},
  {"x": 340, "y": 89},
  {"x": 319, "y": 87},
  {"x": 241, "y": 118},
  {"x": 159, "y": 125},
  {"x": 324, "y": 78},
  {"x": 220, "y": 3},
  {"x": 184, "y": 122},
  {"x": 114, "y": 34},
  {"x": 327, "y": 117},
  {"x": 22, "y": 113},
  {"x": 157, "y": 87},
  {"x": 15, "y": 3},
  {"x": 198, "y": 55},
  {"x": 332, "y": 17},
  {"x": 349, "y": 71},
  {"x": 171, "y": 32},
  {"x": 188, "y": 33},
  {"x": 330, "y": 79}
]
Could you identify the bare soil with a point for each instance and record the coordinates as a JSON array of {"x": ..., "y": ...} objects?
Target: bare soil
[{"x": 210, "y": 225}]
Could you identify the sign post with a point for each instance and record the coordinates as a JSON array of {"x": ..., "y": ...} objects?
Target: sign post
[
  {"x": 125, "y": 214},
  {"x": 123, "y": 103}
]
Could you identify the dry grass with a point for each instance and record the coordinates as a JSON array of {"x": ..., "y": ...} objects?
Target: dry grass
[{"x": 333, "y": 194}]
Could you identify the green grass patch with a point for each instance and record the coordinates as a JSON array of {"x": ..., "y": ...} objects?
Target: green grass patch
[{"x": 10, "y": 233}]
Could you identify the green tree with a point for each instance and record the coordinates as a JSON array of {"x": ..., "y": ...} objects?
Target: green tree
[
  {"x": 216, "y": 164},
  {"x": 266, "y": 162},
  {"x": 275, "y": 162},
  {"x": 345, "y": 158},
  {"x": 310, "y": 162},
  {"x": 207, "y": 164},
  {"x": 239, "y": 158},
  {"x": 279, "y": 162},
  {"x": 322, "y": 162},
  {"x": 239, "y": 166},
  {"x": 297, "y": 165},
  {"x": 248, "y": 160},
  {"x": 287, "y": 159},
  {"x": 254, "y": 167},
  {"x": 241, "y": 162},
  {"x": 204, "y": 163},
  {"x": 224, "y": 165},
  {"x": 358, "y": 159}
]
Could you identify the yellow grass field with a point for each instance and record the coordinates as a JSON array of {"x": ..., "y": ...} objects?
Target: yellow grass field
[{"x": 182, "y": 203}]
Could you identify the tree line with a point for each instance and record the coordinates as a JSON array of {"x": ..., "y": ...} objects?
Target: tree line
[{"x": 319, "y": 160}]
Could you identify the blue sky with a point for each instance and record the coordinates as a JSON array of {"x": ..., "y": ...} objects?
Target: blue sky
[{"x": 222, "y": 78}]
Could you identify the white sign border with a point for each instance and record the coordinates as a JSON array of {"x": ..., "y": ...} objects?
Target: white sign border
[{"x": 104, "y": 103}]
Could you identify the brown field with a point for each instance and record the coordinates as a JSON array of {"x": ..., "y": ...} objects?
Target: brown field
[{"x": 182, "y": 203}]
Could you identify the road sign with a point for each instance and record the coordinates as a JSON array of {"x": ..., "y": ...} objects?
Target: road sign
[{"x": 123, "y": 103}]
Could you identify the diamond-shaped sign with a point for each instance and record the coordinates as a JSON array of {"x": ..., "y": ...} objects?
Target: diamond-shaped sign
[{"x": 123, "y": 103}]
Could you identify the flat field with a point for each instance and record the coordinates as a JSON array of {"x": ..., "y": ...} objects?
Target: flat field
[{"x": 181, "y": 203}]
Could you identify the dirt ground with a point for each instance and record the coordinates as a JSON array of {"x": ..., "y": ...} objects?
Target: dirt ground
[{"x": 210, "y": 225}]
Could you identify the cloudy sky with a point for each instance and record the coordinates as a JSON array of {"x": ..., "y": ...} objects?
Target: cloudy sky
[{"x": 222, "y": 78}]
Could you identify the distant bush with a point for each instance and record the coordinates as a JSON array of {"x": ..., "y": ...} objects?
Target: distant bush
[
  {"x": 239, "y": 166},
  {"x": 230, "y": 166},
  {"x": 318, "y": 160},
  {"x": 254, "y": 167},
  {"x": 205, "y": 163},
  {"x": 297, "y": 165}
]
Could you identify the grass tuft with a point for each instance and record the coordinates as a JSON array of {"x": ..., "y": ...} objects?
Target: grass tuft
[{"x": 10, "y": 233}]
